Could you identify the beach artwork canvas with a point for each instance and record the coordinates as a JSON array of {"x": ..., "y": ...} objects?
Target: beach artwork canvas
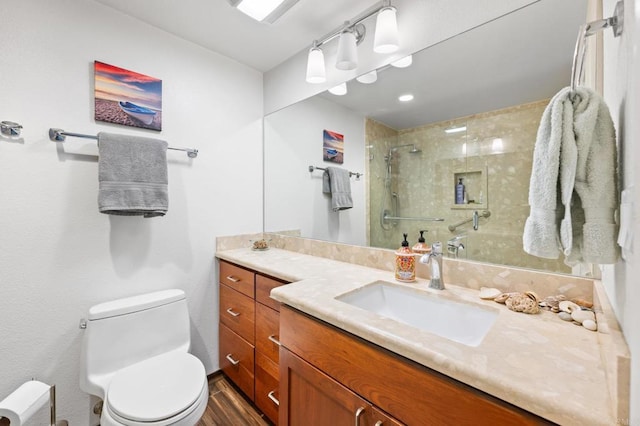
[
  {"x": 127, "y": 97},
  {"x": 332, "y": 147}
]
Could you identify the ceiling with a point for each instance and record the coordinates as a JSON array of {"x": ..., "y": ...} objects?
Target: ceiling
[{"x": 215, "y": 25}]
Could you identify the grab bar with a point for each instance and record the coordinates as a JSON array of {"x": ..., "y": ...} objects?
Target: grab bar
[
  {"x": 59, "y": 135},
  {"x": 474, "y": 218},
  {"x": 424, "y": 219}
]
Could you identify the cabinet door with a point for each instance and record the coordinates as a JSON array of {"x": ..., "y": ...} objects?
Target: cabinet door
[
  {"x": 237, "y": 360},
  {"x": 267, "y": 331},
  {"x": 237, "y": 312},
  {"x": 309, "y": 397}
]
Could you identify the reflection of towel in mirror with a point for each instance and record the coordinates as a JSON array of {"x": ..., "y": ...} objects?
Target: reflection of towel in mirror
[
  {"x": 337, "y": 182},
  {"x": 132, "y": 174},
  {"x": 573, "y": 193}
]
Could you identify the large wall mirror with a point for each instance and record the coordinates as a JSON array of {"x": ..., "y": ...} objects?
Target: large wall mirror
[{"x": 477, "y": 102}]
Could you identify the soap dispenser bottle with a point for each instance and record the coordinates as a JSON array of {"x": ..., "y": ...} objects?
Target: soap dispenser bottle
[
  {"x": 421, "y": 246},
  {"x": 460, "y": 192},
  {"x": 405, "y": 263}
]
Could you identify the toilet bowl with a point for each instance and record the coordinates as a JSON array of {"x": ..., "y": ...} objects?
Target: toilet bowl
[{"x": 135, "y": 357}]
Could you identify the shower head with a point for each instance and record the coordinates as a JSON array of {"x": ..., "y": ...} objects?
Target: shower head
[{"x": 415, "y": 150}]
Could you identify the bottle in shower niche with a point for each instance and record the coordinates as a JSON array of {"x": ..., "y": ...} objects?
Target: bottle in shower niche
[
  {"x": 460, "y": 192},
  {"x": 405, "y": 263}
]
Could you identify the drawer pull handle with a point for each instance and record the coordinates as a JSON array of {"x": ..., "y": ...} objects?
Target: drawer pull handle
[
  {"x": 273, "y": 398},
  {"x": 231, "y": 360},
  {"x": 358, "y": 414},
  {"x": 274, "y": 340},
  {"x": 233, "y": 279},
  {"x": 232, "y": 313},
  {"x": 379, "y": 423}
]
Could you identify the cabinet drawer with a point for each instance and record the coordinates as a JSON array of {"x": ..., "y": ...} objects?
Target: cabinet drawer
[
  {"x": 237, "y": 312},
  {"x": 267, "y": 392},
  {"x": 268, "y": 332},
  {"x": 264, "y": 285},
  {"x": 237, "y": 360},
  {"x": 237, "y": 278}
]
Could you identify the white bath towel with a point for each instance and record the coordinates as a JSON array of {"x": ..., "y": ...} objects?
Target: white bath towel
[
  {"x": 573, "y": 192},
  {"x": 337, "y": 182}
]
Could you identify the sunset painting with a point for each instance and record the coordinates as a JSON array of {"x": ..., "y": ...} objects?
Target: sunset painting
[
  {"x": 332, "y": 147},
  {"x": 126, "y": 97}
]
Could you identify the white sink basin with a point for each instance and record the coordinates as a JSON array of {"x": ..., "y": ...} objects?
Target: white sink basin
[{"x": 461, "y": 322}]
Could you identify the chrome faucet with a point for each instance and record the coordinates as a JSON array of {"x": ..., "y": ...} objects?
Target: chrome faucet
[
  {"x": 434, "y": 259},
  {"x": 454, "y": 245}
]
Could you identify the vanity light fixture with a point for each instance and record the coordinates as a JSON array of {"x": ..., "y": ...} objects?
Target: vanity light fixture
[
  {"x": 403, "y": 62},
  {"x": 455, "y": 129},
  {"x": 351, "y": 34},
  {"x": 339, "y": 90},
  {"x": 368, "y": 78},
  {"x": 347, "y": 57},
  {"x": 386, "y": 37},
  {"x": 315, "y": 65},
  {"x": 405, "y": 98},
  {"x": 263, "y": 10}
]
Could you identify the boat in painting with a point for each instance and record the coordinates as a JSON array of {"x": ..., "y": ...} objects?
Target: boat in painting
[
  {"x": 140, "y": 113},
  {"x": 332, "y": 153}
]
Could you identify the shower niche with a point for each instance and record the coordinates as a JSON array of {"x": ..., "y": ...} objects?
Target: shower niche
[{"x": 475, "y": 186}]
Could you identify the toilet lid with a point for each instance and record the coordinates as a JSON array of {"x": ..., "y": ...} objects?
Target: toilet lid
[{"x": 158, "y": 388}]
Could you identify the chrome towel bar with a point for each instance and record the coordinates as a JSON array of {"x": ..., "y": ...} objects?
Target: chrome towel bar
[
  {"x": 357, "y": 175},
  {"x": 59, "y": 135}
]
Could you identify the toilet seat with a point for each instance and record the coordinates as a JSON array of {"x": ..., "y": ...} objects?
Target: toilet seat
[{"x": 159, "y": 391}]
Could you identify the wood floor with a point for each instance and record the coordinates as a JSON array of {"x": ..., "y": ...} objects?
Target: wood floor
[{"x": 227, "y": 406}]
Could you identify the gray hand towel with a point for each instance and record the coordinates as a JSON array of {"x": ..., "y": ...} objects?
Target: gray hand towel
[
  {"x": 132, "y": 175},
  {"x": 337, "y": 182}
]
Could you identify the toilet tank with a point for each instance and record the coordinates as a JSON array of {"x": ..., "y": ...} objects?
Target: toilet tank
[{"x": 126, "y": 331}]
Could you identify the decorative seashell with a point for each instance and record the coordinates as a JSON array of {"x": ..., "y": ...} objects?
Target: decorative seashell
[
  {"x": 590, "y": 325},
  {"x": 504, "y": 296},
  {"x": 489, "y": 293},
  {"x": 523, "y": 302},
  {"x": 567, "y": 306},
  {"x": 565, "y": 316},
  {"x": 581, "y": 316},
  {"x": 552, "y": 302},
  {"x": 583, "y": 303}
]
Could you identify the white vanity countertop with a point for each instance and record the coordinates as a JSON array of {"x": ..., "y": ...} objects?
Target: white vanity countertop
[{"x": 537, "y": 362}]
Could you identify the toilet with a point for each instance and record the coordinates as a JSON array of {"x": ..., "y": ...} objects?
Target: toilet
[{"x": 135, "y": 358}]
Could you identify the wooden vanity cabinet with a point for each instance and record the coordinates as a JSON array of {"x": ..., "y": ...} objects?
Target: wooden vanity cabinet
[
  {"x": 326, "y": 373},
  {"x": 249, "y": 335}
]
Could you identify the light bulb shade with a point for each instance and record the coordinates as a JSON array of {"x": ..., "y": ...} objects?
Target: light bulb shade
[
  {"x": 315, "y": 66},
  {"x": 339, "y": 90},
  {"x": 347, "y": 57},
  {"x": 368, "y": 78},
  {"x": 403, "y": 62},
  {"x": 386, "y": 36}
]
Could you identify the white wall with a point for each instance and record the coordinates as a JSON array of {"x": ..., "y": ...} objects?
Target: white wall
[
  {"x": 622, "y": 94},
  {"x": 293, "y": 142},
  {"x": 58, "y": 255}
]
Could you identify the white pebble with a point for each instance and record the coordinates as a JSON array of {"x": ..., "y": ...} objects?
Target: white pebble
[
  {"x": 590, "y": 325},
  {"x": 489, "y": 293},
  {"x": 565, "y": 316},
  {"x": 582, "y": 316}
]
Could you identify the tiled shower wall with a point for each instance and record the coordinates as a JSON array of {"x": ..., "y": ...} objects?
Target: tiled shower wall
[{"x": 494, "y": 157}]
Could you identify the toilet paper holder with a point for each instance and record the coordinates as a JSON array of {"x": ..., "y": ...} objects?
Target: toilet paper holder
[{"x": 23, "y": 403}]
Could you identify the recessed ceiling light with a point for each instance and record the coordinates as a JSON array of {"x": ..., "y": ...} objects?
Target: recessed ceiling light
[
  {"x": 455, "y": 129},
  {"x": 405, "y": 98},
  {"x": 263, "y": 10},
  {"x": 403, "y": 63}
]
